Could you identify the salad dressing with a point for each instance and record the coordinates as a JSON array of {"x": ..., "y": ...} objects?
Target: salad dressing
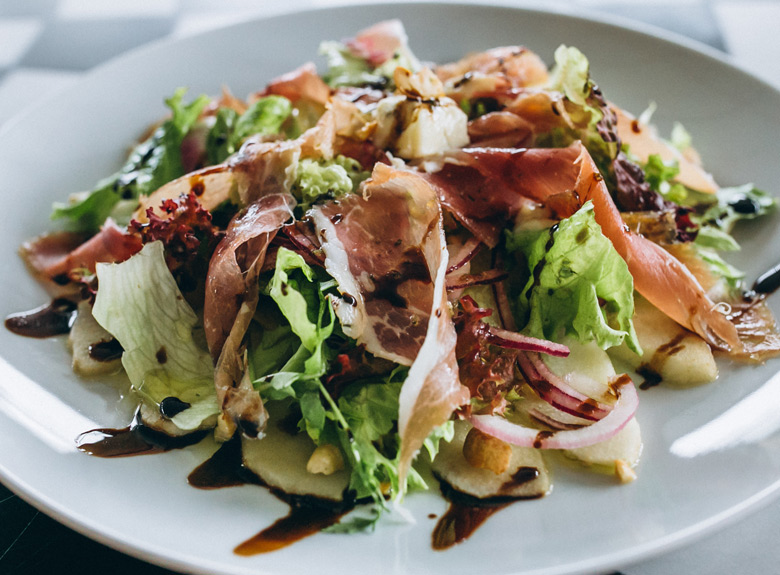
[
  {"x": 466, "y": 513},
  {"x": 301, "y": 522},
  {"x": 768, "y": 282},
  {"x": 308, "y": 515},
  {"x": 651, "y": 370},
  {"x": 135, "y": 439},
  {"x": 49, "y": 320},
  {"x": 106, "y": 350}
]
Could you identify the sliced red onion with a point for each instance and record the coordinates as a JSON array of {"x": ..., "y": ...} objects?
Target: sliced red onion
[
  {"x": 304, "y": 241},
  {"x": 514, "y": 340},
  {"x": 483, "y": 278},
  {"x": 464, "y": 254},
  {"x": 557, "y": 392},
  {"x": 625, "y": 408},
  {"x": 502, "y": 300},
  {"x": 550, "y": 421}
]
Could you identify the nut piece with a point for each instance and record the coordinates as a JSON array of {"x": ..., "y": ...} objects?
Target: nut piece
[
  {"x": 226, "y": 427},
  {"x": 624, "y": 471},
  {"x": 326, "y": 459},
  {"x": 486, "y": 452}
]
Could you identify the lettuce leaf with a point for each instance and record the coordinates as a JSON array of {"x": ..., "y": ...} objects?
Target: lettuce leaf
[
  {"x": 733, "y": 205},
  {"x": 659, "y": 176},
  {"x": 326, "y": 179},
  {"x": 152, "y": 163},
  {"x": 347, "y": 69},
  {"x": 571, "y": 77},
  {"x": 139, "y": 303},
  {"x": 589, "y": 117},
  {"x": 578, "y": 285},
  {"x": 264, "y": 117},
  {"x": 292, "y": 349}
]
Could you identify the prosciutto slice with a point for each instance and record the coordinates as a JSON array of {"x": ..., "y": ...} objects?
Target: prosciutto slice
[
  {"x": 52, "y": 257},
  {"x": 387, "y": 251},
  {"x": 242, "y": 249},
  {"x": 380, "y": 247},
  {"x": 230, "y": 302},
  {"x": 303, "y": 83},
  {"x": 485, "y": 188}
]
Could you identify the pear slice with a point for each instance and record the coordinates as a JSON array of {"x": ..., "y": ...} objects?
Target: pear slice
[
  {"x": 526, "y": 476},
  {"x": 279, "y": 459}
]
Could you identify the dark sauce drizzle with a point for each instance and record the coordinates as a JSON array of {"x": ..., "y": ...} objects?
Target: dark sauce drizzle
[
  {"x": 135, "y": 439},
  {"x": 308, "y": 515},
  {"x": 49, "y": 320},
  {"x": 466, "y": 513},
  {"x": 107, "y": 350}
]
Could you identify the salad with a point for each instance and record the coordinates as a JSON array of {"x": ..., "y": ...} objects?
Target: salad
[{"x": 393, "y": 270}]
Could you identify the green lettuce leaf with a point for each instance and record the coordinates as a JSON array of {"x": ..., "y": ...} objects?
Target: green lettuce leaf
[
  {"x": 139, "y": 303},
  {"x": 292, "y": 347},
  {"x": 152, "y": 163},
  {"x": 326, "y": 179},
  {"x": 659, "y": 176},
  {"x": 264, "y": 117},
  {"x": 571, "y": 77},
  {"x": 733, "y": 205},
  {"x": 578, "y": 285},
  {"x": 347, "y": 69},
  {"x": 585, "y": 108}
]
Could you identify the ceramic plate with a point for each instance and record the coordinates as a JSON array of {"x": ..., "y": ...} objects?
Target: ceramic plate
[{"x": 688, "y": 482}]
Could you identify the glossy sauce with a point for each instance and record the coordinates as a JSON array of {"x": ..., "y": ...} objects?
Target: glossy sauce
[
  {"x": 768, "y": 282},
  {"x": 301, "y": 522},
  {"x": 135, "y": 439},
  {"x": 223, "y": 469},
  {"x": 459, "y": 522},
  {"x": 466, "y": 513},
  {"x": 49, "y": 320},
  {"x": 307, "y": 516},
  {"x": 107, "y": 350}
]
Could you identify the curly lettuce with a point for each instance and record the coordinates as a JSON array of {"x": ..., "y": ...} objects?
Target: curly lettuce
[
  {"x": 578, "y": 284},
  {"x": 152, "y": 163}
]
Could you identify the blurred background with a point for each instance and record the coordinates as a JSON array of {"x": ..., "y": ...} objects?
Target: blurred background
[{"x": 47, "y": 45}]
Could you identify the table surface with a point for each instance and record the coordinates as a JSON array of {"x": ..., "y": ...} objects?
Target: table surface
[{"x": 46, "y": 45}]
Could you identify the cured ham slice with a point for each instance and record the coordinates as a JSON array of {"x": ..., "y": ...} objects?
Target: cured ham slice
[
  {"x": 301, "y": 84},
  {"x": 517, "y": 65},
  {"x": 500, "y": 130},
  {"x": 55, "y": 255},
  {"x": 230, "y": 303},
  {"x": 484, "y": 189},
  {"x": 387, "y": 251},
  {"x": 380, "y": 42},
  {"x": 242, "y": 249},
  {"x": 380, "y": 247}
]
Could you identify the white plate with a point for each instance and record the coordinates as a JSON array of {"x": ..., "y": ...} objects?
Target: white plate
[{"x": 143, "y": 505}]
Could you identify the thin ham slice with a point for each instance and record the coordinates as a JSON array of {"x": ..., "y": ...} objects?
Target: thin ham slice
[
  {"x": 387, "y": 251},
  {"x": 303, "y": 83},
  {"x": 484, "y": 188},
  {"x": 55, "y": 255},
  {"x": 380, "y": 42},
  {"x": 379, "y": 248},
  {"x": 230, "y": 303},
  {"x": 243, "y": 248}
]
